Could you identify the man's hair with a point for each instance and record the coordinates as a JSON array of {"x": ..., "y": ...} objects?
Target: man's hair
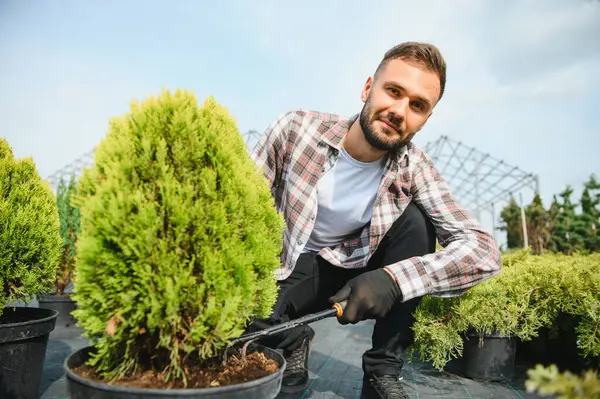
[{"x": 425, "y": 55}]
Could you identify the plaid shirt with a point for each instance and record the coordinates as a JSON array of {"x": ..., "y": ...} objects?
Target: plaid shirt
[{"x": 300, "y": 146}]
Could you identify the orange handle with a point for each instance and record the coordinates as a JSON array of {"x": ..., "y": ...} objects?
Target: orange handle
[{"x": 339, "y": 307}]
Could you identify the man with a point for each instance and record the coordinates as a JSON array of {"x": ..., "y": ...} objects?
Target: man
[{"x": 363, "y": 207}]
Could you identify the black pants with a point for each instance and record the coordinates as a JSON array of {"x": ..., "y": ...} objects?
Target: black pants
[{"x": 314, "y": 280}]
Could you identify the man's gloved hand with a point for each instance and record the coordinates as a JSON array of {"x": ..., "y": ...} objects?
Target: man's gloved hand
[{"x": 370, "y": 296}]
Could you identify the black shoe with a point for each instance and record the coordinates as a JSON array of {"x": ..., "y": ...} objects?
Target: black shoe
[
  {"x": 384, "y": 386},
  {"x": 295, "y": 376}
]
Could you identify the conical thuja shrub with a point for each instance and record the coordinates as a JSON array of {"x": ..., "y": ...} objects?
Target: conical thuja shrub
[
  {"x": 179, "y": 238},
  {"x": 29, "y": 230}
]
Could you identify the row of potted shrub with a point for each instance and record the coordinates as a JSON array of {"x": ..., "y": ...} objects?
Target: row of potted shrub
[
  {"x": 177, "y": 241},
  {"x": 535, "y": 301}
]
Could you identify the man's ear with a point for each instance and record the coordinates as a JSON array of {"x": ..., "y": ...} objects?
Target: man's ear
[{"x": 366, "y": 89}]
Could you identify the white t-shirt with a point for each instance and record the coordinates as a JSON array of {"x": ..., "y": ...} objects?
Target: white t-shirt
[{"x": 345, "y": 200}]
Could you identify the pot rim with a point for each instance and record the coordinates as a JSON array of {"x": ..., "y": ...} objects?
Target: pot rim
[
  {"x": 35, "y": 320},
  {"x": 178, "y": 391},
  {"x": 55, "y": 298}
]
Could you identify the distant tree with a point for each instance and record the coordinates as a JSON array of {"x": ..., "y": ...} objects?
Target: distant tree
[
  {"x": 568, "y": 236},
  {"x": 590, "y": 215},
  {"x": 511, "y": 224},
  {"x": 553, "y": 212},
  {"x": 537, "y": 225}
]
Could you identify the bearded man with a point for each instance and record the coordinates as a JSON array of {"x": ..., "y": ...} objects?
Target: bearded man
[{"x": 363, "y": 208}]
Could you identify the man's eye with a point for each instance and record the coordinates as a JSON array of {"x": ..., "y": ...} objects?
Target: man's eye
[
  {"x": 419, "y": 106},
  {"x": 393, "y": 91}
]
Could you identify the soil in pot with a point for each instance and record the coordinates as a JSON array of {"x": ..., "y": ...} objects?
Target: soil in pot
[
  {"x": 24, "y": 336},
  {"x": 490, "y": 359},
  {"x": 236, "y": 370},
  {"x": 258, "y": 377},
  {"x": 63, "y": 304}
]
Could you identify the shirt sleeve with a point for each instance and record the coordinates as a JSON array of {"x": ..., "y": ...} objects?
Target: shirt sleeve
[
  {"x": 269, "y": 152},
  {"x": 469, "y": 254}
]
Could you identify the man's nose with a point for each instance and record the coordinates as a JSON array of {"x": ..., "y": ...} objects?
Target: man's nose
[{"x": 399, "y": 109}]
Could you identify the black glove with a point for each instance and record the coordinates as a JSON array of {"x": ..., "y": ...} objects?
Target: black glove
[{"x": 370, "y": 296}]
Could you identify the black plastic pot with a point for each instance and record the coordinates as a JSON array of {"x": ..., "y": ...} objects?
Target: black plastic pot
[
  {"x": 263, "y": 388},
  {"x": 23, "y": 340},
  {"x": 490, "y": 359},
  {"x": 63, "y": 304},
  {"x": 536, "y": 350}
]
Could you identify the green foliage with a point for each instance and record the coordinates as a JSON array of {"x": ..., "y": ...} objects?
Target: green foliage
[
  {"x": 553, "y": 212},
  {"x": 29, "y": 230},
  {"x": 549, "y": 381},
  {"x": 437, "y": 337},
  {"x": 590, "y": 215},
  {"x": 566, "y": 226},
  {"x": 537, "y": 220},
  {"x": 568, "y": 237},
  {"x": 69, "y": 229},
  {"x": 529, "y": 293},
  {"x": 511, "y": 219},
  {"x": 179, "y": 238}
]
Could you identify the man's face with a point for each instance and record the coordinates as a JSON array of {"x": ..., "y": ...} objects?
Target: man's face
[{"x": 398, "y": 102}]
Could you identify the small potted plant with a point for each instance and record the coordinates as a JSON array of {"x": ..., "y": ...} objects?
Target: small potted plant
[
  {"x": 481, "y": 327},
  {"x": 29, "y": 253},
  {"x": 60, "y": 300},
  {"x": 572, "y": 290},
  {"x": 532, "y": 294},
  {"x": 177, "y": 250}
]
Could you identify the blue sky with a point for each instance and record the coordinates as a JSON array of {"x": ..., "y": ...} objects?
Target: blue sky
[{"x": 523, "y": 80}]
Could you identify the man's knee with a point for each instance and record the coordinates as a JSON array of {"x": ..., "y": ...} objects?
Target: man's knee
[
  {"x": 418, "y": 221},
  {"x": 416, "y": 227}
]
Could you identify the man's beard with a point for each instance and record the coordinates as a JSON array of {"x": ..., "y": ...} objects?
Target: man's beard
[{"x": 379, "y": 140}]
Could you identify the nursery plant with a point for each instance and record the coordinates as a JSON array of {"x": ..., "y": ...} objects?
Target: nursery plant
[
  {"x": 29, "y": 230},
  {"x": 501, "y": 306},
  {"x": 69, "y": 230},
  {"x": 68, "y": 213},
  {"x": 29, "y": 254},
  {"x": 530, "y": 293},
  {"x": 178, "y": 245}
]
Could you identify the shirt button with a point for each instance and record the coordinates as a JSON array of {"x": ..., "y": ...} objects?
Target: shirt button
[
  {"x": 299, "y": 242},
  {"x": 312, "y": 217}
]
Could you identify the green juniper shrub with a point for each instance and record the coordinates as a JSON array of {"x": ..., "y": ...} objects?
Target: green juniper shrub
[
  {"x": 69, "y": 229},
  {"x": 549, "y": 381},
  {"x": 29, "y": 230},
  {"x": 529, "y": 293},
  {"x": 503, "y": 305},
  {"x": 578, "y": 295},
  {"x": 179, "y": 239}
]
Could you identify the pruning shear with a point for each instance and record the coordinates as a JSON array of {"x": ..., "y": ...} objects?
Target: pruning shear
[{"x": 336, "y": 310}]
